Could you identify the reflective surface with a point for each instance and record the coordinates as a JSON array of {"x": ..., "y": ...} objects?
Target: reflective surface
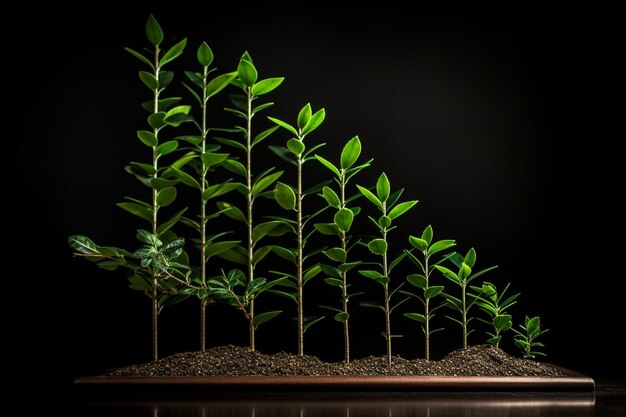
[{"x": 608, "y": 400}]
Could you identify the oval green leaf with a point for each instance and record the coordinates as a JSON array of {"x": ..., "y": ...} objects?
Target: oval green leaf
[
  {"x": 343, "y": 219},
  {"x": 383, "y": 188},
  {"x": 147, "y": 138},
  {"x": 285, "y": 196},
  {"x": 153, "y": 31},
  {"x": 331, "y": 197},
  {"x": 167, "y": 147},
  {"x": 401, "y": 208},
  {"x": 247, "y": 73},
  {"x": 266, "y": 86},
  {"x": 295, "y": 146},
  {"x": 166, "y": 196},
  {"x": 350, "y": 152},
  {"x": 204, "y": 55},
  {"x": 336, "y": 254},
  {"x": 377, "y": 246},
  {"x": 304, "y": 115},
  {"x": 418, "y": 243}
]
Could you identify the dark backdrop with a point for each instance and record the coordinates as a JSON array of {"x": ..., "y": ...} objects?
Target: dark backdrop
[{"x": 498, "y": 122}]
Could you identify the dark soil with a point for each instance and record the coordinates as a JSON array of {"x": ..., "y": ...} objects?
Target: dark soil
[{"x": 238, "y": 361}]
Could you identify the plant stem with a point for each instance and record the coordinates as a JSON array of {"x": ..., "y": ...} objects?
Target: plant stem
[
  {"x": 300, "y": 263},
  {"x": 155, "y": 208},
  {"x": 203, "y": 220},
  {"x": 386, "y": 286},
  {"x": 464, "y": 317},
  {"x": 250, "y": 201},
  {"x": 426, "y": 310},
  {"x": 344, "y": 276}
]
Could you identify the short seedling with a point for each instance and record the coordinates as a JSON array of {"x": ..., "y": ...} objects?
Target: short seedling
[
  {"x": 526, "y": 340},
  {"x": 491, "y": 302}
]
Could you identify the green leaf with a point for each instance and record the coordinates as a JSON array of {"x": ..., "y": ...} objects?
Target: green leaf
[
  {"x": 371, "y": 304},
  {"x": 295, "y": 146},
  {"x": 265, "y": 182},
  {"x": 153, "y": 31},
  {"x": 384, "y": 221},
  {"x": 377, "y": 246},
  {"x": 331, "y": 271},
  {"x": 415, "y": 316},
  {"x": 149, "y": 80},
  {"x": 284, "y": 253},
  {"x": 147, "y": 138},
  {"x": 314, "y": 122},
  {"x": 331, "y": 197},
  {"x": 304, "y": 116},
  {"x": 370, "y": 196},
  {"x": 383, "y": 188},
  {"x": 235, "y": 166},
  {"x": 329, "y": 229},
  {"x": 348, "y": 266},
  {"x": 185, "y": 178},
  {"x": 167, "y": 147},
  {"x": 247, "y": 73},
  {"x": 214, "y": 249},
  {"x": 311, "y": 273},
  {"x": 350, "y": 152},
  {"x": 441, "y": 245},
  {"x": 218, "y": 83},
  {"x": 310, "y": 321},
  {"x": 139, "y": 57},
  {"x": 334, "y": 282},
  {"x": 264, "y": 134},
  {"x": 371, "y": 274},
  {"x": 336, "y": 254},
  {"x": 285, "y": 196},
  {"x": 266, "y": 86},
  {"x": 448, "y": 274},
  {"x": 210, "y": 159},
  {"x": 263, "y": 229},
  {"x": 417, "y": 280},
  {"x": 156, "y": 120},
  {"x": 204, "y": 55},
  {"x": 235, "y": 256},
  {"x": 83, "y": 244},
  {"x": 165, "y": 226},
  {"x": 432, "y": 291},
  {"x": 328, "y": 165},
  {"x": 427, "y": 234},
  {"x": 343, "y": 219},
  {"x": 232, "y": 211},
  {"x": 502, "y": 322},
  {"x": 161, "y": 183},
  {"x": 284, "y": 125},
  {"x": 173, "y": 53},
  {"x": 464, "y": 272},
  {"x": 533, "y": 325},
  {"x": 401, "y": 208},
  {"x": 470, "y": 258},
  {"x": 166, "y": 196},
  {"x": 418, "y": 243},
  {"x": 137, "y": 210},
  {"x": 165, "y": 78},
  {"x": 264, "y": 317},
  {"x": 261, "y": 253},
  {"x": 341, "y": 317}
]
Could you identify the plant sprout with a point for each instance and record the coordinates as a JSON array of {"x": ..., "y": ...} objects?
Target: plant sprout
[
  {"x": 428, "y": 248},
  {"x": 385, "y": 202},
  {"x": 526, "y": 341},
  {"x": 340, "y": 227},
  {"x": 493, "y": 303},
  {"x": 462, "y": 278}
]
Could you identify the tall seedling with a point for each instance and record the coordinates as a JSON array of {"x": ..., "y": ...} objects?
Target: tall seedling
[
  {"x": 151, "y": 277},
  {"x": 421, "y": 280},
  {"x": 462, "y": 278},
  {"x": 340, "y": 227},
  {"x": 200, "y": 160},
  {"x": 291, "y": 198},
  {"x": 253, "y": 186},
  {"x": 385, "y": 202}
]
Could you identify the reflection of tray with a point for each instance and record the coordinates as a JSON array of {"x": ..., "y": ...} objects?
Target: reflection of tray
[{"x": 572, "y": 381}]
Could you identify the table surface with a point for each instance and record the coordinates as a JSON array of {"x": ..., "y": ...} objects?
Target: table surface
[{"x": 609, "y": 399}]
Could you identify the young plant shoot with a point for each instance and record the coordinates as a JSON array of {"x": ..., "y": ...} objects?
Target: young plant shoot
[
  {"x": 385, "y": 202},
  {"x": 291, "y": 198},
  {"x": 200, "y": 160},
  {"x": 494, "y": 305},
  {"x": 253, "y": 186},
  {"x": 421, "y": 280},
  {"x": 462, "y": 278},
  {"x": 526, "y": 339},
  {"x": 340, "y": 227}
]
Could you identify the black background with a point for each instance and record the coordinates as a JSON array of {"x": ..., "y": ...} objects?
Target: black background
[{"x": 500, "y": 123}]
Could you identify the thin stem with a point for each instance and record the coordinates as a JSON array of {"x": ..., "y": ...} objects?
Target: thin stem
[
  {"x": 250, "y": 201},
  {"x": 387, "y": 307},
  {"x": 203, "y": 184},
  {"x": 464, "y": 317},
  {"x": 426, "y": 310},
  {"x": 300, "y": 263},
  {"x": 344, "y": 275},
  {"x": 155, "y": 208}
]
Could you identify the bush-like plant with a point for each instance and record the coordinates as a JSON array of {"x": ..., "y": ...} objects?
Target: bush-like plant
[
  {"x": 387, "y": 203},
  {"x": 426, "y": 265}
]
